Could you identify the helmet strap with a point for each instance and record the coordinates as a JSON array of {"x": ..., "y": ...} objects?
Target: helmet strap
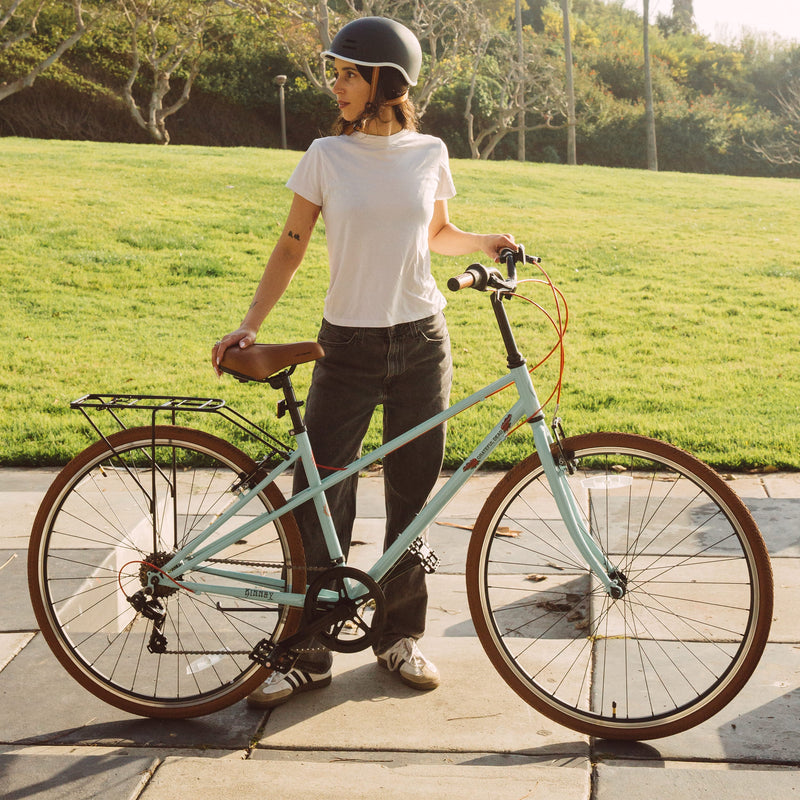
[
  {"x": 373, "y": 91},
  {"x": 373, "y": 86},
  {"x": 397, "y": 100}
]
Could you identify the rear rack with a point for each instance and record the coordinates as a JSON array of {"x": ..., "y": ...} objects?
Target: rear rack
[{"x": 116, "y": 404}]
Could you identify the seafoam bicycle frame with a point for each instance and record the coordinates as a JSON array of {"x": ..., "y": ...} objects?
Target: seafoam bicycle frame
[{"x": 260, "y": 588}]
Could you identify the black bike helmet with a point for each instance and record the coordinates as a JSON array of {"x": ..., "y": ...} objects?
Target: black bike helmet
[{"x": 378, "y": 42}]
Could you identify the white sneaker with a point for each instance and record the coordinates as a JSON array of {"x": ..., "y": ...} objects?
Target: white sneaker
[
  {"x": 405, "y": 658},
  {"x": 278, "y": 688}
]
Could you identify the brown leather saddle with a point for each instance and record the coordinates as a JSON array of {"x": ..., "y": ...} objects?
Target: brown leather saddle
[{"x": 260, "y": 361}]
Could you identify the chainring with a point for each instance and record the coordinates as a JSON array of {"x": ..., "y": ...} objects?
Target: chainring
[{"x": 356, "y": 622}]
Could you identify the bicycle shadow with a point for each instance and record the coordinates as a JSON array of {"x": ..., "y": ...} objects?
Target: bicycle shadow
[{"x": 226, "y": 730}]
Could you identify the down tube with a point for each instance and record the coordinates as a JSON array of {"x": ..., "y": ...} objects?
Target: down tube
[{"x": 436, "y": 504}]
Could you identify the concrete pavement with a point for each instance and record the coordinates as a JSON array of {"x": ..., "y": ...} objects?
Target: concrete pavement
[{"x": 369, "y": 736}]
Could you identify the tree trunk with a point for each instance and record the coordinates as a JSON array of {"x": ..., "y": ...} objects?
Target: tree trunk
[
  {"x": 683, "y": 15},
  {"x": 652, "y": 155}
]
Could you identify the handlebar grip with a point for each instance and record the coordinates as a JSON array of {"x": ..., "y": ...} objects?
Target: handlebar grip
[{"x": 462, "y": 281}]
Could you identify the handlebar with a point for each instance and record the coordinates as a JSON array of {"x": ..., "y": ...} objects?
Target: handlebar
[
  {"x": 483, "y": 278},
  {"x": 476, "y": 277}
]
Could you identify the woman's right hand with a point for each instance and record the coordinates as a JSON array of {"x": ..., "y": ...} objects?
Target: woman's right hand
[{"x": 242, "y": 337}]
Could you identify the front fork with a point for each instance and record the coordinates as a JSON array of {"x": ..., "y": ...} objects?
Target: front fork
[{"x": 556, "y": 469}]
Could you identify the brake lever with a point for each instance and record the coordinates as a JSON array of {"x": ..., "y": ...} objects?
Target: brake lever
[{"x": 520, "y": 256}]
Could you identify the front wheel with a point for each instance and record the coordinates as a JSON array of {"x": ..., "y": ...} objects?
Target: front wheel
[
  {"x": 696, "y": 611},
  {"x": 117, "y": 512}
]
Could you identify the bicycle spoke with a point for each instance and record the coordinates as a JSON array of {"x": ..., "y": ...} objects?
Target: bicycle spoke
[
  {"x": 112, "y": 517},
  {"x": 697, "y": 590}
]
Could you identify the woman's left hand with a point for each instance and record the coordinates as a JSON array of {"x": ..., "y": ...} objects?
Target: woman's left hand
[{"x": 494, "y": 243}]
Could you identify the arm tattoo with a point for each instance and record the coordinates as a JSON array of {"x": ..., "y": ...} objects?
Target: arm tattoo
[{"x": 295, "y": 236}]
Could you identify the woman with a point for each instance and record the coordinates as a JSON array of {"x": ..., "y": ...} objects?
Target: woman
[{"x": 382, "y": 189}]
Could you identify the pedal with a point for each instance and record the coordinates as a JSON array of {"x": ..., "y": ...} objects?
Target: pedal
[
  {"x": 420, "y": 550},
  {"x": 273, "y": 656}
]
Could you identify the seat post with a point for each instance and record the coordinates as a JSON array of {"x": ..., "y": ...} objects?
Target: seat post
[{"x": 290, "y": 403}]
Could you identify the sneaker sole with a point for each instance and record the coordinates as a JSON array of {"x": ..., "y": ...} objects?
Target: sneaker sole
[{"x": 272, "y": 700}]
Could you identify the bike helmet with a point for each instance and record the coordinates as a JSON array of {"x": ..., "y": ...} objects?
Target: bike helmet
[{"x": 378, "y": 42}]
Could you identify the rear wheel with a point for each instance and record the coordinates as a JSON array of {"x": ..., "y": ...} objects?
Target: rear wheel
[
  {"x": 696, "y": 612},
  {"x": 124, "y": 506}
]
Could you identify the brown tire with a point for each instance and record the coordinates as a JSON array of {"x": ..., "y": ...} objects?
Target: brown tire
[
  {"x": 696, "y": 613},
  {"x": 114, "y": 510}
]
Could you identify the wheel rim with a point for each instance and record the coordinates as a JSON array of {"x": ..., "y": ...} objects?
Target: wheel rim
[
  {"x": 96, "y": 537},
  {"x": 662, "y": 654}
]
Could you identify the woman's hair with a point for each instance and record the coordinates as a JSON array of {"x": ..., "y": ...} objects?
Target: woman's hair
[{"x": 391, "y": 86}]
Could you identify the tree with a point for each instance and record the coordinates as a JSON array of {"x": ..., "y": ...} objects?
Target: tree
[
  {"x": 683, "y": 14},
  {"x": 785, "y": 150},
  {"x": 652, "y": 154},
  {"x": 492, "y": 103},
  {"x": 445, "y": 28},
  {"x": 520, "y": 83},
  {"x": 680, "y": 21},
  {"x": 532, "y": 14},
  {"x": 18, "y": 24},
  {"x": 167, "y": 35},
  {"x": 303, "y": 28}
]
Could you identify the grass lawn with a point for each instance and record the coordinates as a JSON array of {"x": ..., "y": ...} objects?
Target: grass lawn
[{"x": 121, "y": 264}]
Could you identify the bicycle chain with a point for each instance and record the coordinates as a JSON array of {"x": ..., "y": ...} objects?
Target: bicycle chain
[
  {"x": 241, "y": 563},
  {"x": 236, "y": 652},
  {"x": 263, "y": 564}
]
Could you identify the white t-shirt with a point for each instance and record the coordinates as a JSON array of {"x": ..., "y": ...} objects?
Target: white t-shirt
[{"x": 377, "y": 195}]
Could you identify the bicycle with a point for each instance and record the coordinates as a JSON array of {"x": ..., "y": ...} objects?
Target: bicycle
[{"x": 617, "y": 584}]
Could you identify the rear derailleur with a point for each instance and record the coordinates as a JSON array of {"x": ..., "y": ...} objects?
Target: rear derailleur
[{"x": 151, "y": 608}]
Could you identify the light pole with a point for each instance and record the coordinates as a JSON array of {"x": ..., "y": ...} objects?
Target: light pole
[
  {"x": 521, "y": 87},
  {"x": 572, "y": 157},
  {"x": 280, "y": 80}
]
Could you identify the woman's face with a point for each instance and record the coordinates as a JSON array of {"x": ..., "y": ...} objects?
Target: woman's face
[{"x": 351, "y": 90}]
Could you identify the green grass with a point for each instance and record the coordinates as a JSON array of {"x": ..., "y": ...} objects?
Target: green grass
[{"x": 121, "y": 264}]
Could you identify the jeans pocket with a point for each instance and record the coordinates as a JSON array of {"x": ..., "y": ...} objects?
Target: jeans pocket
[
  {"x": 332, "y": 336},
  {"x": 433, "y": 329}
]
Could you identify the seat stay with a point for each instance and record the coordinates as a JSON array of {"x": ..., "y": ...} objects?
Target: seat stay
[{"x": 188, "y": 556}]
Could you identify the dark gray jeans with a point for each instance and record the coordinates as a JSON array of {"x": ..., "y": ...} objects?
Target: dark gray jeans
[{"x": 407, "y": 369}]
